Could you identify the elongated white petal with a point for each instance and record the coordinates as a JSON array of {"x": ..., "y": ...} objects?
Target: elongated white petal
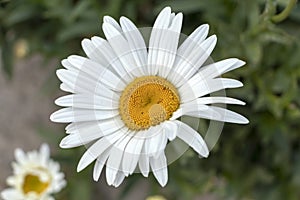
[
  {"x": 99, "y": 164},
  {"x": 76, "y": 82},
  {"x": 156, "y": 141},
  {"x": 160, "y": 25},
  {"x": 136, "y": 42},
  {"x": 195, "y": 88},
  {"x": 209, "y": 112},
  {"x": 144, "y": 163},
  {"x": 192, "y": 138},
  {"x": 221, "y": 67},
  {"x": 212, "y": 100},
  {"x": 115, "y": 158},
  {"x": 119, "y": 179},
  {"x": 111, "y": 58},
  {"x": 159, "y": 168},
  {"x": 101, "y": 127},
  {"x": 132, "y": 152},
  {"x": 93, "y": 53},
  {"x": 44, "y": 154},
  {"x": 167, "y": 47},
  {"x": 121, "y": 48},
  {"x": 68, "y": 65},
  {"x": 20, "y": 156},
  {"x": 112, "y": 21},
  {"x": 99, "y": 147},
  {"x": 67, "y": 115},
  {"x": 98, "y": 72},
  {"x": 84, "y": 137},
  {"x": 223, "y": 115},
  {"x": 9, "y": 194},
  {"x": 66, "y": 88},
  {"x": 187, "y": 65},
  {"x": 170, "y": 128},
  {"x": 88, "y": 101}
]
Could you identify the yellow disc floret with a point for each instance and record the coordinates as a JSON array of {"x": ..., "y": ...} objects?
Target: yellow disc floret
[
  {"x": 37, "y": 181},
  {"x": 148, "y": 101},
  {"x": 32, "y": 183}
]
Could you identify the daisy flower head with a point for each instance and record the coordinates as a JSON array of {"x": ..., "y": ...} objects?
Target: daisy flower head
[
  {"x": 35, "y": 176},
  {"x": 130, "y": 95}
]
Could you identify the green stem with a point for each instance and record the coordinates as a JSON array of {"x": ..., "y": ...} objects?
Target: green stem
[{"x": 285, "y": 13}]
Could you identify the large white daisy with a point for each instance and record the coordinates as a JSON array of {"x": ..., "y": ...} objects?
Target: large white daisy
[
  {"x": 128, "y": 96},
  {"x": 36, "y": 176}
]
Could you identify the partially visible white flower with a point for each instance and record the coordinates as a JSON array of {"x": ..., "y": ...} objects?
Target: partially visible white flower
[
  {"x": 36, "y": 176},
  {"x": 156, "y": 197}
]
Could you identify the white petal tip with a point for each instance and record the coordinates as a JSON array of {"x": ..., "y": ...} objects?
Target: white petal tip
[
  {"x": 205, "y": 155},
  {"x": 163, "y": 183},
  {"x": 80, "y": 167},
  {"x": 168, "y": 8},
  {"x": 206, "y": 26},
  {"x": 107, "y": 18},
  {"x": 96, "y": 177},
  {"x": 52, "y": 117},
  {"x": 244, "y": 121},
  {"x": 63, "y": 144}
]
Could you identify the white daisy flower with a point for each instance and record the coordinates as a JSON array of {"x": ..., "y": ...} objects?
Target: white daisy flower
[
  {"x": 36, "y": 176},
  {"x": 128, "y": 96}
]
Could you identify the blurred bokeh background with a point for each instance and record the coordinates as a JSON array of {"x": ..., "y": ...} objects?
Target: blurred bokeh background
[{"x": 258, "y": 161}]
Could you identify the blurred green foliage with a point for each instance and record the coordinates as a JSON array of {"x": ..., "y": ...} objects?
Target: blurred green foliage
[{"x": 257, "y": 161}]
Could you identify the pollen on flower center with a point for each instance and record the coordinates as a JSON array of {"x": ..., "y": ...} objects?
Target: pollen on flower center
[
  {"x": 148, "y": 101},
  {"x": 33, "y": 183}
]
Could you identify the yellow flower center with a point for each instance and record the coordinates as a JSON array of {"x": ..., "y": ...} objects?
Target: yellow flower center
[
  {"x": 33, "y": 183},
  {"x": 148, "y": 101}
]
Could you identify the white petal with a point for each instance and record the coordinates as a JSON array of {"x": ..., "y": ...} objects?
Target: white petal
[
  {"x": 113, "y": 164},
  {"x": 132, "y": 152},
  {"x": 113, "y": 22},
  {"x": 144, "y": 162},
  {"x": 192, "y": 138},
  {"x": 20, "y": 156},
  {"x": 223, "y": 115},
  {"x": 197, "y": 109},
  {"x": 102, "y": 126},
  {"x": 121, "y": 48},
  {"x": 44, "y": 154},
  {"x": 88, "y": 101},
  {"x": 212, "y": 100},
  {"x": 76, "y": 82},
  {"x": 119, "y": 179},
  {"x": 111, "y": 58},
  {"x": 170, "y": 129},
  {"x": 98, "y": 148},
  {"x": 186, "y": 48},
  {"x": 160, "y": 25},
  {"x": 167, "y": 47},
  {"x": 159, "y": 168},
  {"x": 216, "y": 69},
  {"x": 156, "y": 141},
  {"x": 136, "y": 42},
  {"x": 11, "y": 194},
  {"x": 189, "y": 64},
  {"x": 197, "y": 87},
  {"x": 99, "y": 164},
  {"x": 204, "y": 111},
  {"x": 67, "y": 115},
  {"x": 98, "y": 72},
  {"x": 93, "y": 52},
  {"x": 66, "y": 88},
  {"x": 68, "y": 65}
]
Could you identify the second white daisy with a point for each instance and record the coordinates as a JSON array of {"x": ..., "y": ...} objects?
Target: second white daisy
[{"x": 35, "y": 177}]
